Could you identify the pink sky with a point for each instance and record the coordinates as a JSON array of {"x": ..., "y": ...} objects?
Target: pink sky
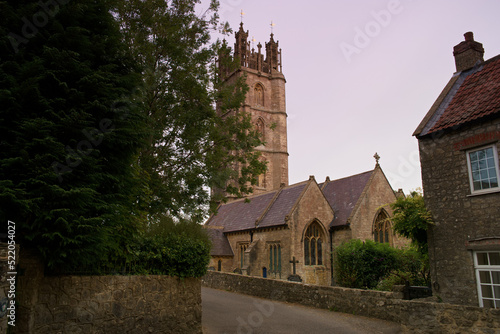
[{"x": 361, "y": 75}]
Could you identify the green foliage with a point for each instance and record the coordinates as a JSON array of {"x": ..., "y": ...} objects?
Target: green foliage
[
  {"x": 361, "y": 264},
  {"x": 113, "y": 117},
  {"x": 68, "y": 177},
  {"x": 411, "y": 219},
  {"x": 173, "y": 249},
  {"x": 412, "y": 266},
  {"x": 369, "y": 265},
  {"x": 196, "y": 135}
]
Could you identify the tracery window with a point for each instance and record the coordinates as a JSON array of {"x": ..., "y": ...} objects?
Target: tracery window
[
  {"x": 259, "y": 95},
  {"x": 382, "y": 228},
  {"x": 313, "y": 245}
]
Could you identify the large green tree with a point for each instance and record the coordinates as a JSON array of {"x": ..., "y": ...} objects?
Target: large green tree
[
  {"x": 196, "y": 133},
  {"x": 70, "y": 133}
]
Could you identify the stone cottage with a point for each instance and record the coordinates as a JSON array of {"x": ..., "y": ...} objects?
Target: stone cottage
[
  {"x": 289, "y": 231},
  {"x": 459, "y": 147}
]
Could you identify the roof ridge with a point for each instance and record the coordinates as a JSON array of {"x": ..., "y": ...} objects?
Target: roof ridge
[{"x": 347, "y": 177}]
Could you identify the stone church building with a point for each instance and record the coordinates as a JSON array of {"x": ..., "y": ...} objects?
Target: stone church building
[{"x": 289, "y": 231}]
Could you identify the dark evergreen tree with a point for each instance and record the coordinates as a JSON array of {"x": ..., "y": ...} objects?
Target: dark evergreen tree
[{"x": 69, "y": 130}]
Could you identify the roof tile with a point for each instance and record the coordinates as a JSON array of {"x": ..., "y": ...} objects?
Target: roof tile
[
  {"x": 343, "y": 194},
  {"x": 478, "y": 96}
]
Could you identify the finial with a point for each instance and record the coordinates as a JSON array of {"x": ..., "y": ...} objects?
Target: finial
[
  {"x": 253, "y": 41},
  {"x": 377, "y": 158},
  {"x": 241, "y": 14},
  {"x": 272, "y": 25}
]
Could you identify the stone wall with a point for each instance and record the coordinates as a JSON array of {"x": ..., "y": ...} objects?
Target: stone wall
[
  {"x": 463, "y": 222},
  {"x": 105, "y": 304},
  {"x": 417, "y": 317}
]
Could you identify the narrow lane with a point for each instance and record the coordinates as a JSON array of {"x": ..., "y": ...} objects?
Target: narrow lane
[{"x": 227, "y": 313}]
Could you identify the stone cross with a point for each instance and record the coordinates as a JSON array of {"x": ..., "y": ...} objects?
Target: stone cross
[{"x": 294, "y": 262}]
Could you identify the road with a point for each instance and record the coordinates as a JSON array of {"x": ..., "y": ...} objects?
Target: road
[{"x": 227, "y": 313}]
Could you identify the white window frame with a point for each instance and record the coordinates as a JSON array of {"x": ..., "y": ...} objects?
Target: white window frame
[
  {"x": 469, "y": 167},
  {"x": 489, "y": 268}
]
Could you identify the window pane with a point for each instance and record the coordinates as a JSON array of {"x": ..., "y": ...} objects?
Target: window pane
[
  {"x": 496, "y": 277},
  {"x": 473, "y": 156},
  {"x": 496, "y": 290},
  {"x": 494, "y": 182},
  {"x": 306, "y": 252},
  {"x": 488, "y": 303},
  {"x": 320, "y": 254},
  {"x": 484, "y": 277},
  {"x": 275, "y": 257},
  {"x": 486, "y": 291},
  {"x": 488, "y": 152},
  {"x": 279, "y": 258},
  {"x": 313, "y": 252},
  {"x": 482, "y": 259},
  {"x": 494, "y": 259},
  {"x": 270, "y": 258}
]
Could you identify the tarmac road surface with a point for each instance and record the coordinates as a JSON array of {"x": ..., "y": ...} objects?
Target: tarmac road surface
[{"x": 228, "y": 312}]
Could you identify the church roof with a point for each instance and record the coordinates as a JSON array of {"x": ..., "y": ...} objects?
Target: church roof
[
  {"x": 343, "y": 194},
  {"x": 220, "y": 244},
  {"x": 470, "y": 95},
  {"x": 264, "y": 210}
]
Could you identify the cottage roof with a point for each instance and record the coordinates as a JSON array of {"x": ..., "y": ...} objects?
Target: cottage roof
[
  {"x": 471, "y": 95},
  {"x": 220, "y": 244},
  {"x": 343, "y": 194},
  {"x": 264, "y": 210}
]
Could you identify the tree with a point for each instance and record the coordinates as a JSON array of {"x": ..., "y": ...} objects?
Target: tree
[
  {"x": 68, "y": 177},
  {"x": 411, "y": 219},
  {"x": 191, "y": 147}
]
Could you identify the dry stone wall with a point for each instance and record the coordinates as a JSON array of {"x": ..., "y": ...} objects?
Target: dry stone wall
[{"x": 419, "y": 317}]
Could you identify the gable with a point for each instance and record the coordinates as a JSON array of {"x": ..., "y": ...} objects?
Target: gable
[
  {"x": 343, "y": 194},
  {"x": 471, "y": 96}
]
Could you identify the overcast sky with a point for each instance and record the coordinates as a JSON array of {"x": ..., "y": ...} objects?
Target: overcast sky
[{"x": 362, "y": 74}]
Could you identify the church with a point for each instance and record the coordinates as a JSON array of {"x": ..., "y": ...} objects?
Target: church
[{"x": 285, "y": 231}]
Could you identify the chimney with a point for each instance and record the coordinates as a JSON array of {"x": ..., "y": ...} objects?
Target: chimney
[{"x": 468, "y": 53}]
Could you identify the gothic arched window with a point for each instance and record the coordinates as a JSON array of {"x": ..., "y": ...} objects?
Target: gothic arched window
[
  {"x": 259, "y": 95},
  {"x": 313, "y": 245},
  {"x": 382, "y": 228}
]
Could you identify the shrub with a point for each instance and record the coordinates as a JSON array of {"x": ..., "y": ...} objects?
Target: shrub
[
  {"x": 412, "y": 266},
  {"x": 181, "y": 249},
  {"x": 361, "y": 264}
]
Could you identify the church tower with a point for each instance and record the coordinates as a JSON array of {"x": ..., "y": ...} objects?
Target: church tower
[{"x": 265, "y": 102}]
